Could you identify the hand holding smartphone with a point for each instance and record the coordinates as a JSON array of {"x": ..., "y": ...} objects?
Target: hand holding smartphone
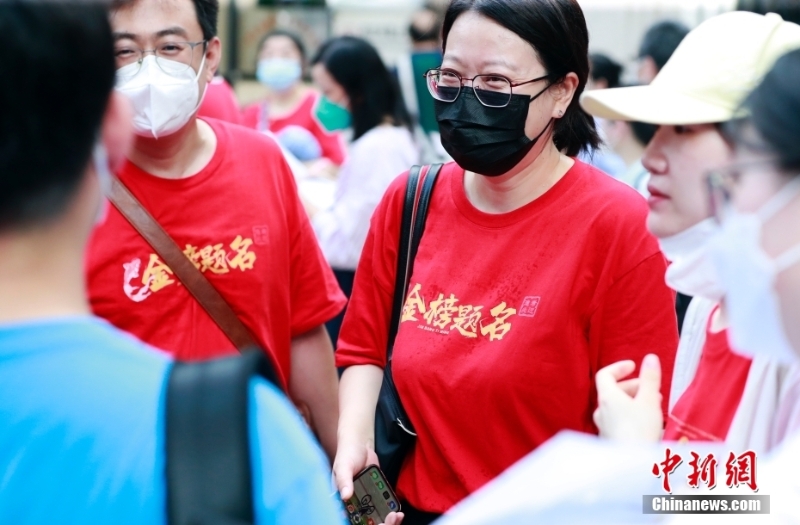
[{"x": 373, "y": 499}]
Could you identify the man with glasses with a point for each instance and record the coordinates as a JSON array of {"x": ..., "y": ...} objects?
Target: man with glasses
[
  {"x": 83, "y": 406},
  {"x": 227, "y": 198}
]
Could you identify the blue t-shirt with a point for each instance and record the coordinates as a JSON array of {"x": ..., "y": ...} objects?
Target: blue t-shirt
[{"x": 82, "y": 433}]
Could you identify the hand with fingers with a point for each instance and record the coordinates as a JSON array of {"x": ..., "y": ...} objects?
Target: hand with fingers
[
  {"x": 394, "y": 518},
  {"x": 630, "y": 410},
  {"x": 350, "y": 460}
]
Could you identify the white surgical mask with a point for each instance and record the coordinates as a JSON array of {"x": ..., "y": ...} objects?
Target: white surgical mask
[
  {"x": 164, "y": 95},
  {"x": 692, "y": 271},
  {"x": 748, "y": 275}
]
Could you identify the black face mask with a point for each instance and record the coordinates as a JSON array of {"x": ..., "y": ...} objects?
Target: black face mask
[{"x": 484, "y": 140}]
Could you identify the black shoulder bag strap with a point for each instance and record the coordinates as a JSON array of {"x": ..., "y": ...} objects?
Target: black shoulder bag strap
[
  {"x": 394, "y": 433},
  {"x": 415, "y": 212},
  {"x": 209, "y": 479}
]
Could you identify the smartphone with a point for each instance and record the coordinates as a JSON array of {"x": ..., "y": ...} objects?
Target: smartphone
[{"x": 373, "y": 499}]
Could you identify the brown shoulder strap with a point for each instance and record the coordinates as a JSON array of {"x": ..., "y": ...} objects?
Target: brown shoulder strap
[{"x": 194, "y": 281}]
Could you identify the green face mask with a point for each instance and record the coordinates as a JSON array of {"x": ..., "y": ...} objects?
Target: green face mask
[{"x": 333, "y": 117}]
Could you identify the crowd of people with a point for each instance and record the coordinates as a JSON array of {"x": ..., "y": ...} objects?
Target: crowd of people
[{"x": 150, "y": 231}]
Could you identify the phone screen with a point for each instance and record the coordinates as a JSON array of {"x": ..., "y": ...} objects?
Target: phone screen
[{"x": 373, "y": 499}]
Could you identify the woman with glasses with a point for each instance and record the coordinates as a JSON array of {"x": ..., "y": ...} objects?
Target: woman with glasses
[
  {"x": 759, "y": 214},
  {"x": 744, "y": 390},
  {"x": 535, "y": 269},
  {"x": 756, "y": 201}
]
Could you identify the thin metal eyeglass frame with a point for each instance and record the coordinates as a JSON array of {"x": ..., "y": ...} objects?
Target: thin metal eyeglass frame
[
  {"x": 144, "y": 52},
  {"x": 720, "y": 181},
  {"x": 461, "y": 79}
]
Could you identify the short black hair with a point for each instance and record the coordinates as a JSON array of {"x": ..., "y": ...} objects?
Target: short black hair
[
  {"x": 557, "y": 31},
  {"x": 788, "y": 9},
  {"x": 606, "y": 68},
  {"x": 373, "y": 92},
  {"x": 643, "y": 132},
  {"x": 56, "y": 75},
  {"x": 294, "y": 37},
  {"x": 661, "y": 40},
  {"x": 426, "y": 34},
  {"x": 207, "y": 14},
  {"x": 774, "y": 108}
]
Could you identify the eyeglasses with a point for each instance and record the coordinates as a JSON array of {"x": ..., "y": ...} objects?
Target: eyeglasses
[
  {"x": 721, "y": 183},
  {"x": 172, "y": 52},
  {"x": 493, "y": 91}
]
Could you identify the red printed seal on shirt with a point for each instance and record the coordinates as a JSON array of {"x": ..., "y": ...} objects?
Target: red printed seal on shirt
[
  {"x": 261, "y": 235},
  {"x": 529, "y": 306}
]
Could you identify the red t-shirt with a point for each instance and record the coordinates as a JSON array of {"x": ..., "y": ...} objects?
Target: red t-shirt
[
  {"x": 240, "y": 221},
  {"x": 220, "y": 102},
  {"x": 255, "y": 116},
  {"x": 706, "y": 409},
  {"x": 507, "y": 320}
]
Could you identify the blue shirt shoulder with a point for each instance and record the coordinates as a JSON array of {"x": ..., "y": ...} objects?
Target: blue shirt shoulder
[{"x": 82, "y": 432}]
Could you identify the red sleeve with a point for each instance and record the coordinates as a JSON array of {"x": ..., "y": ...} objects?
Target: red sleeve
[
  {"x": 331, "y": 144},
  {"x": 220, "y": 102},
  {"x": 250, "y": 115},
  {"x": 315, "y": 294},
  {"x": 365, "y": 330},
  {"x": 636, "y": 317}
]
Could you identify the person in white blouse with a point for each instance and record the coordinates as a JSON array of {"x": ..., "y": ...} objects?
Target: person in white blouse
[{"x": 358, "y": 93}]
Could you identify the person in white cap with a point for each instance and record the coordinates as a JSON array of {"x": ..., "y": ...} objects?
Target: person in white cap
[{"x": 701, "y": 86}]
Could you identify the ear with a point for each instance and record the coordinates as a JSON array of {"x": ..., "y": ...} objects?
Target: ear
[
  {"x": 117, "y": 130},
  {"x": 213, "y": 58},
  {"x": 563, "y": 93}
]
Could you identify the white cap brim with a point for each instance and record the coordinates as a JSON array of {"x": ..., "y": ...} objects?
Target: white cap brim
[{"x": 653, "y": 105}]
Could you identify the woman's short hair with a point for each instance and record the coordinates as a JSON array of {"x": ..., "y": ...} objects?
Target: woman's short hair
[
  {"x": 774, "y": 108},
  {"x": 557, "y": 31},
  {"x": 373, "y": 91},
  {"x": 603, "y": 67},
  {"x": 294, "y": 37}
]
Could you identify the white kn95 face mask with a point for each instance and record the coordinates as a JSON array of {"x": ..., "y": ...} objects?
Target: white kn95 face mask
[{"x": 164, "y": 94}]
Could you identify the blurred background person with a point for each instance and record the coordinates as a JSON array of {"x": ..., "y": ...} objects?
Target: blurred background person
[
  {"x": 788, "y": 9},
  {"x": 658, "y": 44},
  {"x": 219, "y": 102},
  {"x": 424, "y": 33},
  {"x": 629, "y": 139},
  {"x": 353, "y": 78},
  {"x": 604, "y": 73},
  {"x": 293, "y": 110}
]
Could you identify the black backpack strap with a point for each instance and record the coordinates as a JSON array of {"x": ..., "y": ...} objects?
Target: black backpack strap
[
  {"x": 415, "y": 211},
  {"x": 209, "y": 479}
]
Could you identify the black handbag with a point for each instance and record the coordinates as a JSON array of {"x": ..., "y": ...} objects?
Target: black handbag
[{"x": 394, "y": 432}]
